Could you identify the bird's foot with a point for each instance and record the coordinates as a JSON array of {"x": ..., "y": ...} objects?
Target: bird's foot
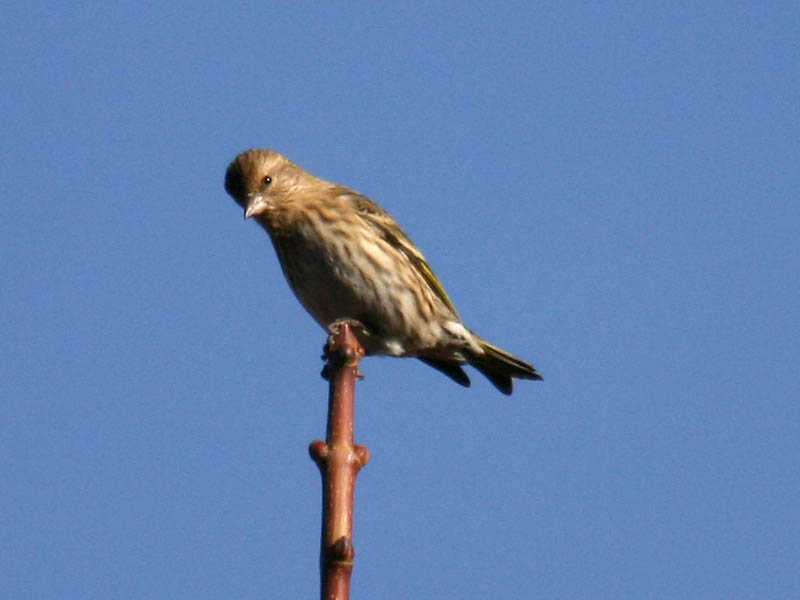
[{"x": 342, "y": 346}]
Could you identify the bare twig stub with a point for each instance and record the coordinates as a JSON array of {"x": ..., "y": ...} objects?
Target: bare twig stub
[{"x": 339, "y": 461}]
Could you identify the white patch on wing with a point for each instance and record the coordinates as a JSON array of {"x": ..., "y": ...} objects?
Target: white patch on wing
[
  {"x": 394, "y": 347},
  {"x": 458, "y": 331}
]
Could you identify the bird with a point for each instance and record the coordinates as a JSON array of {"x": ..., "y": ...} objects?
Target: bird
[{"x": 345, "y": 257}]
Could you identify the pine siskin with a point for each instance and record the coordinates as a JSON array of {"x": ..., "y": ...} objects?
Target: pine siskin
[{"x": 346, "y": 257}]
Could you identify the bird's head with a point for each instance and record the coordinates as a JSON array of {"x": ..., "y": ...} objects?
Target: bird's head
[{"x": 258, "y": 179}]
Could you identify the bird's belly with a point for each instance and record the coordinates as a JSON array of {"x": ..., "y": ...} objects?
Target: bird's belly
[
  {"x": 333, "y": 284},
  {"x": 327, "y": 289}
]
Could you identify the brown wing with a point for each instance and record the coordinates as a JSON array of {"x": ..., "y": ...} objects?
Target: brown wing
[{"x": 382, "y": 221}]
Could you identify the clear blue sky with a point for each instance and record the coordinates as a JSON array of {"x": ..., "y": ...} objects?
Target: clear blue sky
[{"x": 611, "y": 192}]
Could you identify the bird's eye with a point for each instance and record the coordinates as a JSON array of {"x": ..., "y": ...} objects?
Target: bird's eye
[{"x": 266, "y": 181}]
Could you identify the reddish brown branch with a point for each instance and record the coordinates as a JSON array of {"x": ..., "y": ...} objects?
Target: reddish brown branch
[{"x": 339, "y": 461}]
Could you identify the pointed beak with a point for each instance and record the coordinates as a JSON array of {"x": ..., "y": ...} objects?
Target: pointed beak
[{"x": 256, "y": 204}]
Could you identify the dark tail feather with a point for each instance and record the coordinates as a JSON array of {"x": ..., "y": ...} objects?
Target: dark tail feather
[
  {"x": 499, "y": 367},
  {"x": 452, "y": 370}
]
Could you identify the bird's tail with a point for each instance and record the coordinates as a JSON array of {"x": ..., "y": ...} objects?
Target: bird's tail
[{"x": 499, "y": 367}]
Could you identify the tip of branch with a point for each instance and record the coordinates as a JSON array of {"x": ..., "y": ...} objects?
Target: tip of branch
[{"x": 343, "y": 346}]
